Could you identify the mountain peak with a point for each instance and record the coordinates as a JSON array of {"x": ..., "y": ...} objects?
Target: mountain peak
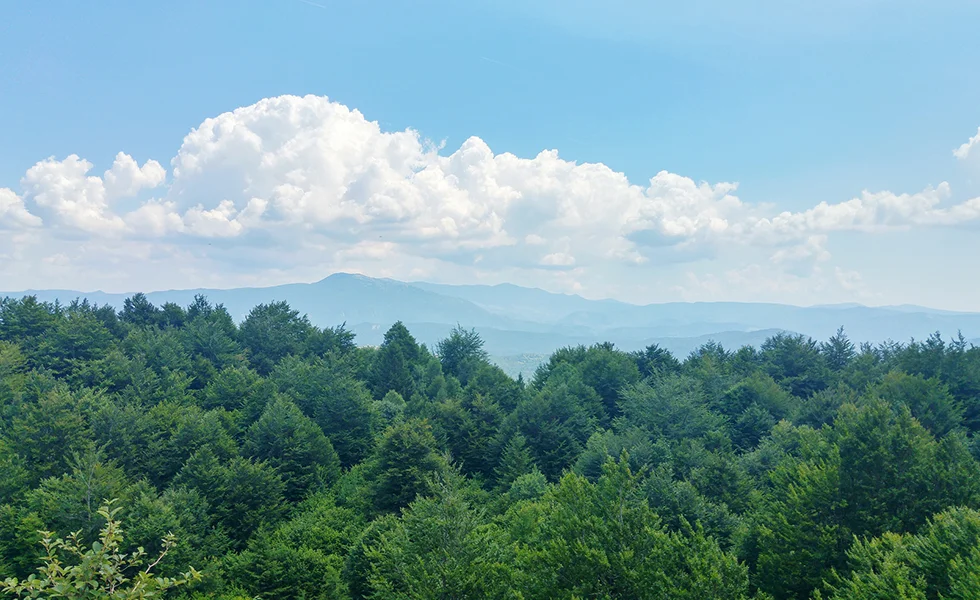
[{"x": 341, "y": 275}]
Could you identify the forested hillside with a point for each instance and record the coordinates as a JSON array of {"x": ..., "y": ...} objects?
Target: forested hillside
[
  {"x": 287, "y": 462},
  {"x": 522, "y": 326}
]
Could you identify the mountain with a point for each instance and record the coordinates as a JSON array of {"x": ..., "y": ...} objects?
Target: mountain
[
  {"x": 337, "y": 299},
  {"x": 529, "y": 304},
  {"x": 520, "y": 325}
]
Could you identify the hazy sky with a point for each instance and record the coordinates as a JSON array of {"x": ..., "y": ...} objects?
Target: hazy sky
[{"x": 801, "y": 152}]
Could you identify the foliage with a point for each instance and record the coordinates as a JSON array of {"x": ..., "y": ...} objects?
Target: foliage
[
  {"x": 290, "y": 463},
  {"x": 100, "y": 572},
  {"x": 461, "y": 353}
]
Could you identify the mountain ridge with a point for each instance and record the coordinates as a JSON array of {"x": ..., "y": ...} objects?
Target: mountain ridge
[{"x": 516, "y": 320}]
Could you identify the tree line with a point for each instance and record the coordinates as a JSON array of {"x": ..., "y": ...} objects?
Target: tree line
[{"x": 168, "y": 451}]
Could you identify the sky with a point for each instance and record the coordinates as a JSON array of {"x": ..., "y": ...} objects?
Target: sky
[{"x": 779, "y": 151}]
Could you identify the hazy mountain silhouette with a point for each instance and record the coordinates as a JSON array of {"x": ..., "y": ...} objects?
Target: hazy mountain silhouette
[{"x": 519, "y": 321}]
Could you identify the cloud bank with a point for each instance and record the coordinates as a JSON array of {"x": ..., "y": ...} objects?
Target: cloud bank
[
  {"x": 964, "y": 150},
  {"x": 294, "y": 188}
]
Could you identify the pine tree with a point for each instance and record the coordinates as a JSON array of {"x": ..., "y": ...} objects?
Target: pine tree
[
  {"x": 295, "y": 446},
  {"x": 515, "y": 461},
  {"x": 838, "y": 351},
  {"x": 392, "y": 369}
]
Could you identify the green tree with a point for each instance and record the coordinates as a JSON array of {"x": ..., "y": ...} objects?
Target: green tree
[
  {"x": 243, "y": 494},
  {"x": 151, "y": 516},
  {"x": 302, "y": 557},
  {"x": 654, "y": 361},
  {"x": 928, "y": 400},
  {"x": 584, "y": 540},
  {"x": 237, "y": 388},
  {"x": 838, "y": 351},
  {"x": 102, "y": 572},
  {"x": 515, "y": 461},
  {"x": 330, "y": 393},
  {"x": 337, "y": 340},
  {"x": 72, "y": 501},
  {"x": 821, "y": 408},
  {"x": 495, "y": 387},
  {"x": 77, "y": 338},
  {"x": 295, "y": 446},
  {"x": 26, "y": 319},
  {"x": 611, "y": 443},
  {"x": 942, "y": 561},
  {"x": 393, "y": 364},
  {"x": 210, "y": 334},
  {"x": 608, "y": 372},
  {"x": 796, "y": 363},
  {"x": 761, "y": 390},
  {"x": 47, "y": 426},
  {"x": 358, "y": 564},
  {"x": 461, "y": 353},
  {"x": 13, "y": 472},
  {"x": 674, "y": 407},
  {"x": 271, "y": 332},
  {"x": 798, "y": 535},
  {"x": 403, "y": 464},
  {"x": 140, "y": 312},
  {"x": 557, "y": 421},
  {"x": 178, "y": 431},
  {"x": 880, "y": 472},
  {"x": 751, "y": 426},
  {"x": 442, "y": 547}
]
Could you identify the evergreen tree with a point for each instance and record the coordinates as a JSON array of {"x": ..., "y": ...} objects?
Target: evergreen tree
[
  {"x": 140, "y": 312},
  {"x": 295, "y": 446},
  {"x": 838, "y": 351},
  {"x": 461, "y": 353},
  {"x": 515, "y": 461},
  {"x": 243, "y": 494},
  {"x": 405, "y": 461},
  {"x": 393, "y": 364},
  {"x": 272, "y": 332}
]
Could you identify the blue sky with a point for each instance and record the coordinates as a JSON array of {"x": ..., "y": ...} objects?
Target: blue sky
[{"x": 798, "y": 103}]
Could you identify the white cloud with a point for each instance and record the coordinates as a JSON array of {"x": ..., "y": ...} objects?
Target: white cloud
[
  {"x": 801, "y": 257},
  {"x": 155, "y": 219},
  {"x": 558, "y": 259},
  {"x": 126, "y": 178},
  {"x": 65, "y": 191},
  {"x": 871, "y": 212},
  {"x": 76, "y": 200},
  {"x": 302, "y": 185},
  {"x": 13, "y": 213},
  {"x": 964, "y": 150},
  {"x": 849, "y": 280}
]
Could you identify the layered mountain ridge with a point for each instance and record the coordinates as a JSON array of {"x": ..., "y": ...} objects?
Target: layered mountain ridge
[{"x": 521, "y": 325}]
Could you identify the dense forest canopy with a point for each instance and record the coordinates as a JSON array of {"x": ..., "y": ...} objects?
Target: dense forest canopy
[{"x": 275, "y": 459}]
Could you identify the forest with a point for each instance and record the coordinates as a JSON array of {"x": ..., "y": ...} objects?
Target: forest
[{"x": 168, "y": 451}]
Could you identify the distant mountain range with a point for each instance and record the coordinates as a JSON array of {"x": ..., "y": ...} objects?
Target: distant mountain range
[{"x": 521, "y": 326}]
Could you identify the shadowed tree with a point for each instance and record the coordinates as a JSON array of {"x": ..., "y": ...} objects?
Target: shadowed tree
[
  {"x": 461, "y": 353},
  {"x": 271, "y": 332},
  {"x": 393, "y": 364},
  {"x": 295, "y": 446}
]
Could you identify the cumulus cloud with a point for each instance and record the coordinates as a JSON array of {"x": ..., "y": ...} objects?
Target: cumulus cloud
[
  {"x": 126, "y": 178},
  {"x": 66, "y": 193},
  {"x": 13, "y": 213},
  {"x": 558, "y": 259},
  {"x": 871, "y": 212},
  {"x": 800, "y": 257},
  {"x": 967, "y": 147},
  {"x": 76, "y": 200},
  {"x": 305, "y": 185}
]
